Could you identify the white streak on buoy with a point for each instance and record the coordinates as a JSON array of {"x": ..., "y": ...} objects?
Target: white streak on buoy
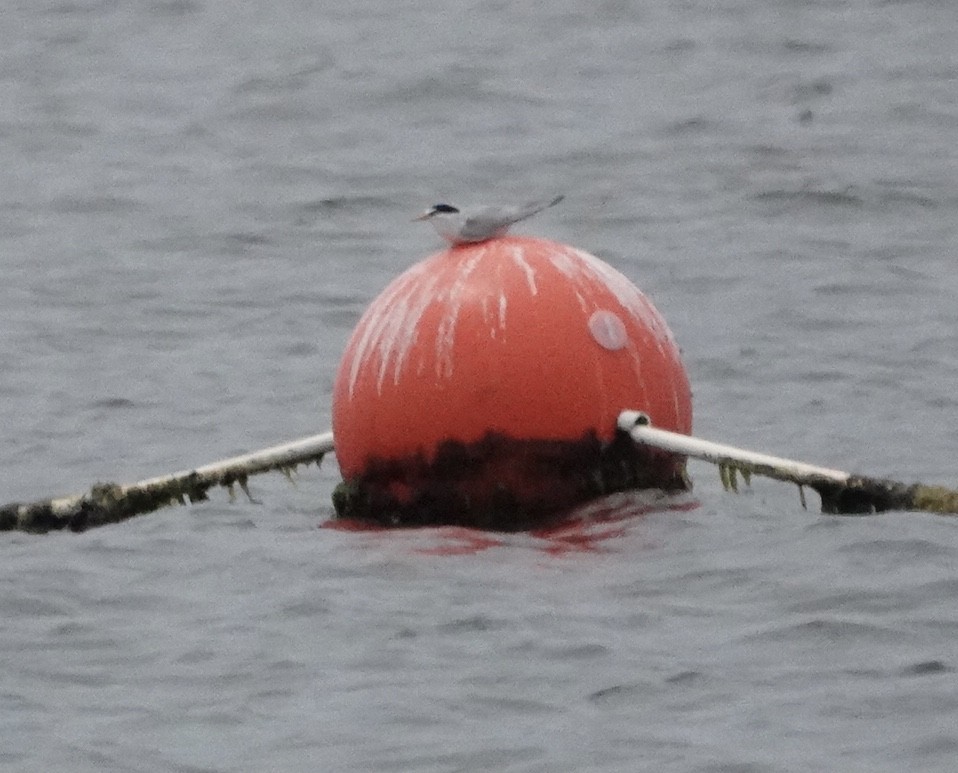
[
  {"x": 584, "y": 305},
  {"x": 519, "y": 258},
  {"x": 453, "y": 299},
  {"x": 392, "y": 329},
  {"x": 486, "y": 314},
  {"x": 393, "y": 326},
  {"x": 399, "y": 337},
  {"x": 494, "y": 317}
]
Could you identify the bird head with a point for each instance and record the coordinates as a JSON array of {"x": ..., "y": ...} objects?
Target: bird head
[{"x": 438, "y": 209}]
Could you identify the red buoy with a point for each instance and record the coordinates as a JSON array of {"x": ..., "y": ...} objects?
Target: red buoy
[{"x": 482, "y": 388}]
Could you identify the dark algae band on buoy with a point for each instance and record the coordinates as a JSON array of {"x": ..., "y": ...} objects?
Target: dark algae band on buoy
[
  {"x": 483, "y": 385},
  {"x": 501, "y": 483}
]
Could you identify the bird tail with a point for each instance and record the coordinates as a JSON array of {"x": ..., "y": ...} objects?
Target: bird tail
[{"x": 528, "y": 210}]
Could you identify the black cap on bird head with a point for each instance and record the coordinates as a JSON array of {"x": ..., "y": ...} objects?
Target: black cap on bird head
[{"x": 437, "y": 209}]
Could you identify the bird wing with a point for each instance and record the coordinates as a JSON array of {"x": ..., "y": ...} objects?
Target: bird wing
[
  {"x": 489, "y": 221},
  {"x": 528, "y": 210},
  {"x": 485, "y": 223}
]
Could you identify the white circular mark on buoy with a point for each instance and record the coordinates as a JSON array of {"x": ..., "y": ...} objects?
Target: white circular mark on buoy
[{"x": 608, "y": 330}]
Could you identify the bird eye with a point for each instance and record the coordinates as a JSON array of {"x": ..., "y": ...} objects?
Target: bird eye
[{"x": 444, "y": 208}]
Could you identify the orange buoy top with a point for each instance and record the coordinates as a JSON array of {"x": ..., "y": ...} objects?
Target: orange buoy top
[{"x": 519, "y": 336}]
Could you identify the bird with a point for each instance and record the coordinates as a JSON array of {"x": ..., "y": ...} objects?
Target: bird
[{"x": 469, "y": 226}]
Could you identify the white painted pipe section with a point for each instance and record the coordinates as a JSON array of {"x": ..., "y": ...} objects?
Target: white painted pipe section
[
  {"x": 118, "y": 502},
  {"x": 306, "y": 449},
  {"x": 637, "y": 424}
]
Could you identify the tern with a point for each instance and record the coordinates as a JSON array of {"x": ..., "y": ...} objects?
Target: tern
[{"x": 469, "y": 226}]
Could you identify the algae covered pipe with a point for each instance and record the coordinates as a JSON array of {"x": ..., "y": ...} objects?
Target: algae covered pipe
[
  {"x": 841, "y": 492},
  {"x": 104, "y": 503},
  {"x": 111, "y": 503}
]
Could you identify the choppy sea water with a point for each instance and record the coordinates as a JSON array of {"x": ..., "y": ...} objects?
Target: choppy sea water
[{"x": 197, "y": 202}]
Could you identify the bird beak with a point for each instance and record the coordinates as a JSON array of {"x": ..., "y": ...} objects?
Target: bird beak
[{"x": 425, "y": 215}]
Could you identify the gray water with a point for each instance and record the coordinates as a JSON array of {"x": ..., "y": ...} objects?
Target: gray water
[{"x": 197, "y": 201}]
